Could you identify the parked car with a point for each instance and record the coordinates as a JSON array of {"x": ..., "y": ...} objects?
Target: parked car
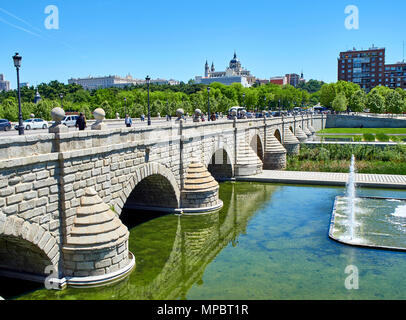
[
  {"x": 249, "y": 115},
  {"x": 34, "y": 124},
  {"x": 5, "y": 125},
  {"x": 70, "y": 121}
]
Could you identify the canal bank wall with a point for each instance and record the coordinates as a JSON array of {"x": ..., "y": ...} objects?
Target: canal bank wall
[
  {"x": 382, "y": 145},
  {"x": 346, "y": 121}
]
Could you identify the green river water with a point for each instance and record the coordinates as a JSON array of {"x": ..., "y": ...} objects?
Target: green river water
[{"x": 268, "y": 242}]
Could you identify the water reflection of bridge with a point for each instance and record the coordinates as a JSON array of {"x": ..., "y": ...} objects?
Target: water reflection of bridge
[
  {"x": 166, "y": 270},
  {"x": 172, "y": 252}
]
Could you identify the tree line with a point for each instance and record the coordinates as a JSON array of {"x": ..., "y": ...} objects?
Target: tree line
[
  {"x": 346, "y": 96},
  {"x": 166, "y": 99}
]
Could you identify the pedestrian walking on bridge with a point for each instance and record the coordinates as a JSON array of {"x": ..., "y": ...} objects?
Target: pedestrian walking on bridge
[{"x": 128, "y": 121}]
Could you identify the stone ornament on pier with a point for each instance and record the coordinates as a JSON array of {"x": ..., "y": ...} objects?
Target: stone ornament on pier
[
  {"x": 201, "y": 191},
  {"x": 96, "y": 248},
  {"x": 99, "y": 114},
  {"x": 57, "y": 115},
  {"x": 290, "y": 142},
  {"x": 274, "y": 155},
  {"x": 197, "y": 115},
  {"x": 179, "y": 113}
]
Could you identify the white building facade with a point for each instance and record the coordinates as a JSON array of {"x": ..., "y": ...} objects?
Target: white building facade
[
  {"x": 92, "y": 83},
  {"x": 4, "y": 84}
]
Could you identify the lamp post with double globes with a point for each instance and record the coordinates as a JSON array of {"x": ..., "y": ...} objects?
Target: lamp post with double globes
[
  {"x": 17, "y": 63},
  {"x": 208, "y": 103},
  {"x": 148, "y": 79}
]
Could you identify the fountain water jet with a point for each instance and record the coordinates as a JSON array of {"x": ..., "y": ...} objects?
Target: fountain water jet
[
  {"x": 370, "y": 222},
  {"x": 351, "y": 196}
]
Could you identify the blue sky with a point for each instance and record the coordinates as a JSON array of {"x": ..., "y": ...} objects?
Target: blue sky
[{"x": 172, "y": 39}]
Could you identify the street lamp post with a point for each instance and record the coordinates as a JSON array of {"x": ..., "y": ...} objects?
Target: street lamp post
[
  {"x": 208, "y": 103},
  {"x": 264, "y": 103},
  {"x": 167, "y": 110},
  {"x": 125, "y": 107},
  {"x": 17, "y": 63},
  {"x": 148, "y": 79},
  {"x": 61, "y": 97},
  {"x": 243, "y": 97},
  {"x": 279, "y": 105}
]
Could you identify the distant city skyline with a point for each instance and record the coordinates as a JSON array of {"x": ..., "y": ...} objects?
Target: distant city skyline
[{"x": 169, "y": 40}]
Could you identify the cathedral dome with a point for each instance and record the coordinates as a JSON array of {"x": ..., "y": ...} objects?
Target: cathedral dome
[{"x": 235, "y": 62}]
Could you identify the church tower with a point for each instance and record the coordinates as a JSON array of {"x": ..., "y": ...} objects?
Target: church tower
[
  {"x": 212, "y": 67},
  {"x": 206, "y": 70},
  {"x": 37, "y": 97}
]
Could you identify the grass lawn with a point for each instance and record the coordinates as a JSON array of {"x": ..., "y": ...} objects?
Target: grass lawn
[{"x": 387, "y": 131}]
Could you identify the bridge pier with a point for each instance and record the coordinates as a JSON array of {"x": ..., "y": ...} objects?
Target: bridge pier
[
  {"x": 290, "y": 142},
  {"x": 200, "y": 192},
  {"x": 300, "y": 135},
  {"x": 248, "y": 163},
  {"x": 274, "y": 155},
  {"x": 96, "y": 250}
]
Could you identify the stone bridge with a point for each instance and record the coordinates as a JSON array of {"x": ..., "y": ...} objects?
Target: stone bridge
[{"x": 61, "y": 194}]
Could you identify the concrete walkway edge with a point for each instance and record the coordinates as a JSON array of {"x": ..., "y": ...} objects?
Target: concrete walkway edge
[{"x": 328, "y": 179}]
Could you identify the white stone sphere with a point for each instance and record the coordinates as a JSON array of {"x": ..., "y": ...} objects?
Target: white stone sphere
[
  {"x": 32, "y": 115},
  {"x": 57, "y": 114},
  {"x": 180, "y": 112},
  {"x": 198, "y": 112},
  {"x": 99, "y": 114}
]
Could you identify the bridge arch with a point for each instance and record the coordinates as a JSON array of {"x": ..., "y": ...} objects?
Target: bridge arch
[
  {"x": 278, "y": 135},
  {"x": 220, "y": 164},
  {"x": 26, "y": 248},
  {"x": 257, "y": 144},
  {"x": 152, "y": 185}
]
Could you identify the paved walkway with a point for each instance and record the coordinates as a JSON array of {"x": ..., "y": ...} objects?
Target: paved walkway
[{"x": 328, "y": 178}]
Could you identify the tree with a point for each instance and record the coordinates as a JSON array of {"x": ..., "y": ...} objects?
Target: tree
[
  {"x": 327, "y": 94},
  {"x": 311, "y": 86},
  {"x": 375, "y": 102},
  {"x": 394, "y": 102},
  {"x": 340, "y": 103},
  {"x": 357, "y": 101}
]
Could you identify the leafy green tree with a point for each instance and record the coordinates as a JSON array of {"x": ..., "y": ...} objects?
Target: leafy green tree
[
  {"x": 10, "y": 109},
  {"x": 357, "y": 101},
  {"x": 375, "y": 102},
  {"x": 394, "y": 102},
  {"x": 311, "y": 86},
  {"x": 340, "y": 103},
  {"x": 327, "y": 94}
]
